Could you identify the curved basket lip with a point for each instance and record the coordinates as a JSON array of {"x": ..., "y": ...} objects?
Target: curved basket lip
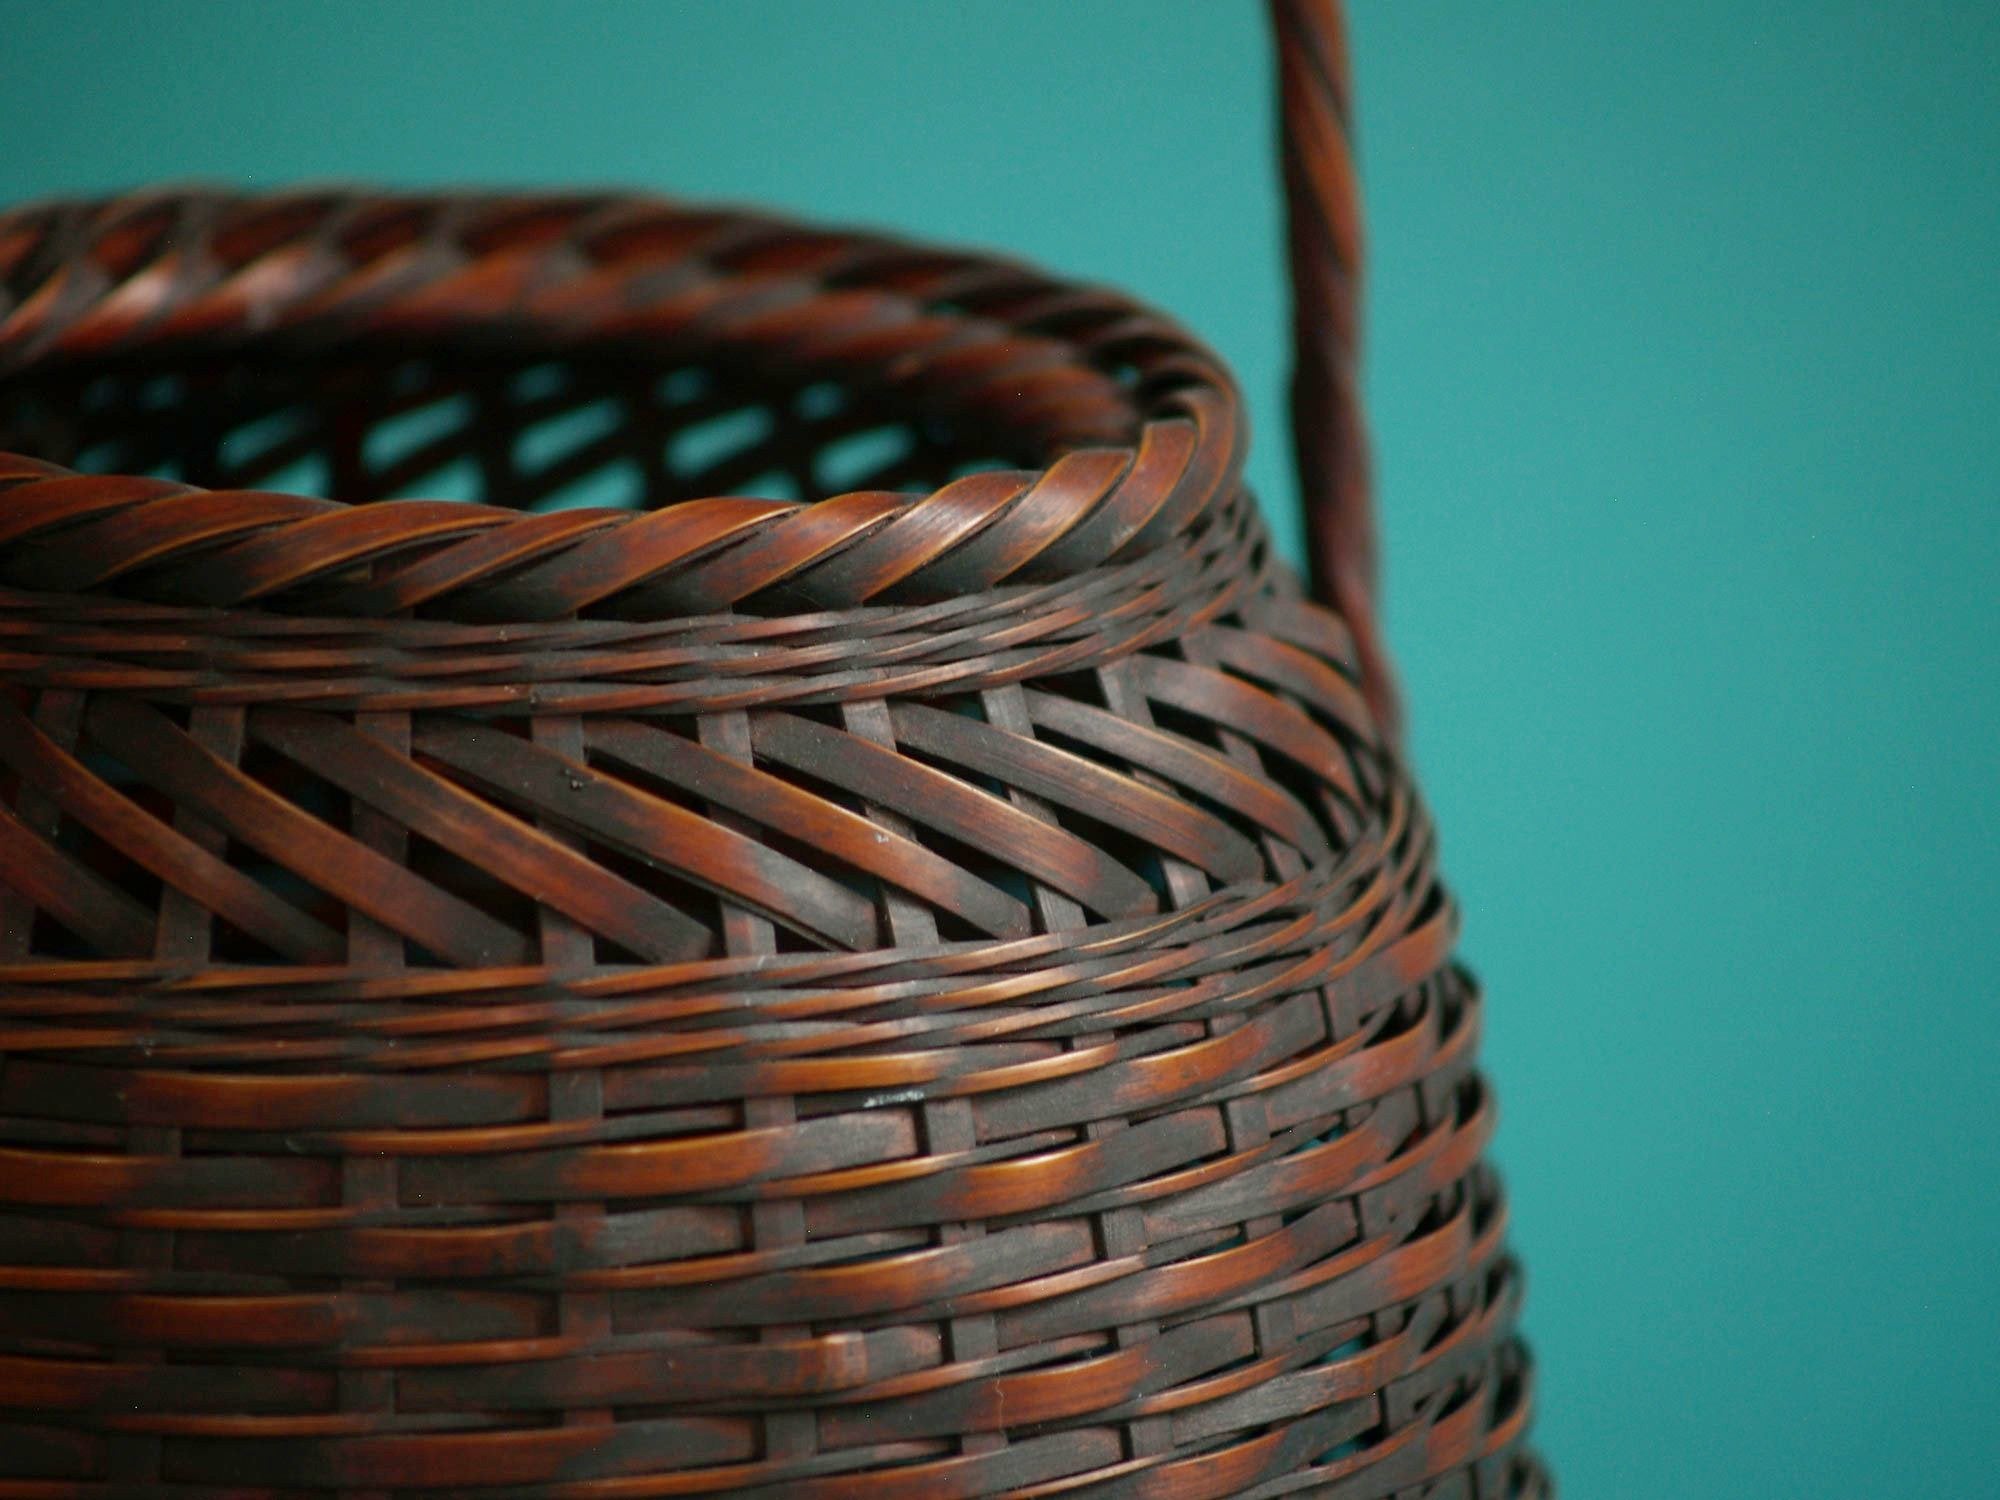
[{"x": 1131, "y": 461}]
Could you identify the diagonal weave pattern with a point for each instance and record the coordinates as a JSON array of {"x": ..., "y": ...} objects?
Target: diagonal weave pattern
[{"x": 929, "y": 981}]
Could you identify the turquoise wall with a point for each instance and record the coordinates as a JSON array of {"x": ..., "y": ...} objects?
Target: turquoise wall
[{"x": 1685, "y": 391}]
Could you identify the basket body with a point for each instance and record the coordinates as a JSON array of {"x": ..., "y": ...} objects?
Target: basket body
[{"x": 934, "y": 986}]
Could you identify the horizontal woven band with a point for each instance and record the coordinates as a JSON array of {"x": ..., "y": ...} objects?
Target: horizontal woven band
[{"x": 701, "y": 663}]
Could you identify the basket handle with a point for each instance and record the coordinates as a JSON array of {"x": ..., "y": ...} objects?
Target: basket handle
[{"x": 1329, "y": 440}]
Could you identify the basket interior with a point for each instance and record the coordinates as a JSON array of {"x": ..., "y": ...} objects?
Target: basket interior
[{"x": 528, "y": 434}]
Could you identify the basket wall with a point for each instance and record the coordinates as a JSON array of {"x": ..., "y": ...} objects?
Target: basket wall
[{"x": 929, "y": 984}]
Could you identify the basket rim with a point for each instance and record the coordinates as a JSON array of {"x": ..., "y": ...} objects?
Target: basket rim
[{"x": 1131, "y": 461}]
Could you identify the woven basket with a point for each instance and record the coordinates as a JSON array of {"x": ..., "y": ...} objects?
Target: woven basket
[{"x": 933, "y": 984}]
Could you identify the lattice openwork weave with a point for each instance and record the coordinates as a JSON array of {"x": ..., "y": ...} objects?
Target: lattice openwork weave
[{"x": 931, "y": 981}]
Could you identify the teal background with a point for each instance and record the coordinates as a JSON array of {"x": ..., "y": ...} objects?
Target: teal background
[{"x": 1685, "y": 393}]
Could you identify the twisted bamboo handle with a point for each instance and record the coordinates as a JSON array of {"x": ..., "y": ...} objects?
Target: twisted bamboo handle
[{"x": 1329, "y": 441}]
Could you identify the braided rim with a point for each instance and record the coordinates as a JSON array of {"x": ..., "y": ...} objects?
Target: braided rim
[
  {"x": 701, "y": 663},
  {"x": 1138, "y": 427}
]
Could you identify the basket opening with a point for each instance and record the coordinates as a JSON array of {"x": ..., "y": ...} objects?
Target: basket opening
[
  {"x": 583, "y": 371},
  {"x": 532, "y": 435}
]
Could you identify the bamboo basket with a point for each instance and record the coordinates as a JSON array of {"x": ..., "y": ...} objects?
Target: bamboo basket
[{"x": 932, "y": 981}]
